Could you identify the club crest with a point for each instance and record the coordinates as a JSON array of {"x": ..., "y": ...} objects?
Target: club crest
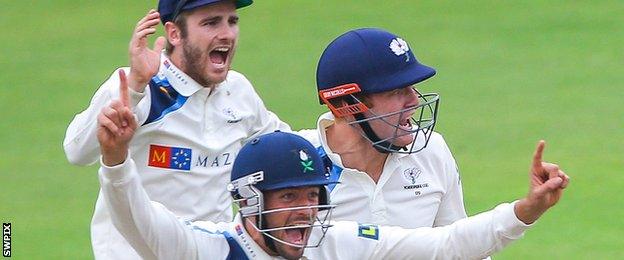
[
  {"x": 231, "y": 115},
  {"x": 400, "y": 47},
  {"x": 306, "y": 161},
  {"x": 411, "y": 174}
]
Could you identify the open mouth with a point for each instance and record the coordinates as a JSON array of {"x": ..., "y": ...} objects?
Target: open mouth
[
  {"x": 219, "y": 56},
  {"x": 406, "y": 124},
  {"x": 296, "y": 235}
]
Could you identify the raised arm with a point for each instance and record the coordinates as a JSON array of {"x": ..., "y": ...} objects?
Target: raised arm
[
  {"x": 152, "y": 230},
  {"x": 80, "y": 144},
  {"x": 483, "y": 234}
]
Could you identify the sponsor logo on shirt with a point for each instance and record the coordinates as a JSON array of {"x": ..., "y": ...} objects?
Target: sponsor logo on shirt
[
  {"x": 179, "y": 158},
  {"x": 175, "y": 72},
  {"x": 168, "y": 157},
  {"x": 239, "y": 230},
  {"x": 245, "y": 241},
  {"x": 223, "y": 159},
  {"x": 368, "y": 231}
]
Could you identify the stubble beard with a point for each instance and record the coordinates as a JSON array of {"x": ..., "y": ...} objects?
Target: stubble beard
[{"x": 194, "y": 66}]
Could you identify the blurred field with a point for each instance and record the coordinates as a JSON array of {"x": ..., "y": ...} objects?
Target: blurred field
[{"x": 509, "y": 72}]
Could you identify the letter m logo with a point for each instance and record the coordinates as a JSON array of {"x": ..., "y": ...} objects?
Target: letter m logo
[{"x": 159, "y": 156}]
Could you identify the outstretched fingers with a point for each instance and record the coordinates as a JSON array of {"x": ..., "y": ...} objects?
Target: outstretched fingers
[
  {"x": 148, "y": 18},
  {"x": 145, "y": 27},
  {"x": 142, "y": 35}
]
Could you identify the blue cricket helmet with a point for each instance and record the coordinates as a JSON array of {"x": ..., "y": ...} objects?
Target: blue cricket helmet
[
  {"x": 276, "y": 161},
  {"x": 368, "y": 61},
  {"x": 169, "y": 9},
  {"x": 287, "y": 161},
  {"x": 374, "y": 59}
]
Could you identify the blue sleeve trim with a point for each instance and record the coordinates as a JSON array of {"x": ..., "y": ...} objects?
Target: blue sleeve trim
[
  {"x": 165, "y": 99},
  {"x": 236, "y": 251},
  {"x": 334, "y": 170}
]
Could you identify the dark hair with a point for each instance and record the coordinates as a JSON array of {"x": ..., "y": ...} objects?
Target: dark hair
[{"x": 179, "y": 21}]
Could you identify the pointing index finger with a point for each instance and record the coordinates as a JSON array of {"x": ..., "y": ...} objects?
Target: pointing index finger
[
  {"x": 124, "y": 96},
  {"x": 537, "y": 156}
]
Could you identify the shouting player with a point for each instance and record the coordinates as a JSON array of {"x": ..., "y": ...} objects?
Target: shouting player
[{"x": 194, "y": 115}]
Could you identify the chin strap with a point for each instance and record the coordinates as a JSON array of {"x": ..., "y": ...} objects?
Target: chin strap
[{"x": 368, "y": 131}]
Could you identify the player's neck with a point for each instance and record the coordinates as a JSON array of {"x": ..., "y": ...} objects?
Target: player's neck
[
  {"x": 355, "y": 151},
  {"x": 176, "y": 58}
]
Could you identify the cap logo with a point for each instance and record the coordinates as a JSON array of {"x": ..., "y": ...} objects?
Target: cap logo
[
  {"x": 400, "y": 47},
  {"x": 306, "y": 161}
]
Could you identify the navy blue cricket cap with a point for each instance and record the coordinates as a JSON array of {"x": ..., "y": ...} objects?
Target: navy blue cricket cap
[
  {"x": 287, "y": 160},
  {"x": 374, "y": 59},
  {"x": 167, "y": 8}
]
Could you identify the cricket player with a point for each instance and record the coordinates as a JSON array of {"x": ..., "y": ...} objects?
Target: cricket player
[
  {"x": 378, "y": 137},
  {"x": 194, "y": 115},
  {"x": 280, "y": 183}
]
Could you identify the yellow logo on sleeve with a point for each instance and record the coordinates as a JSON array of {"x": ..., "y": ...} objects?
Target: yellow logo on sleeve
[{"x": 368, "y": 231}]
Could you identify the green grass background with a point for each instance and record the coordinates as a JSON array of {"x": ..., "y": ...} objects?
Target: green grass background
[{"x": 509, "y": 73}]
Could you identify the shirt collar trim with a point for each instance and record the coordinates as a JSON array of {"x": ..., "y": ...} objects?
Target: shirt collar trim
[{"x": 179, "y": 80}]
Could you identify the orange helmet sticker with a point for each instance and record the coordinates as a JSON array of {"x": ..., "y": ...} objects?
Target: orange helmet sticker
[{"x": 339, "y": 91}]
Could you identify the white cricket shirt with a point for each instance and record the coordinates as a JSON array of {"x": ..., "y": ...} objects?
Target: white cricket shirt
[
  {"x": 184, "y": 147},
  {"x": 422, "y": 189},
  {"x": 157, "y": 233}
]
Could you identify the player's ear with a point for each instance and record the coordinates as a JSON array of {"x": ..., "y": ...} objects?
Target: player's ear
[{"x": 173, "y": 33}]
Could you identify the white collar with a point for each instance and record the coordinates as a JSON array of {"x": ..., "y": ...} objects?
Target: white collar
[{"x": 181, "y": 82}]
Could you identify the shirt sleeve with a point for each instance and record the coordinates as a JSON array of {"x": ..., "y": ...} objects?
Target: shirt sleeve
[
  {"x": 475, "y": 237},
  {"x": 451, "y": 206},
  {"x": 80, "y": 144},
  {"x": 152, "y": 230}
]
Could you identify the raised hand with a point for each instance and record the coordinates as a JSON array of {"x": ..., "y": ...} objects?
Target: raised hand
[
  {"x": 547, "y": 182},
  {"x": 144, "y": 62},
  {"x": 116, "y": 126}
]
